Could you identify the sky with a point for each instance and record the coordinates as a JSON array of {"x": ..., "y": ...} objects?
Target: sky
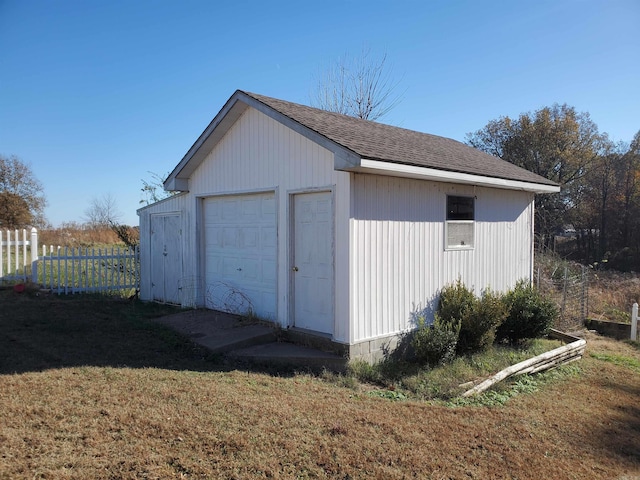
[{"x": 98, "y": 95}]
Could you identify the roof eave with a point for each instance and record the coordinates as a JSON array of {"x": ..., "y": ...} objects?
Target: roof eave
[{"x": 425, "y": 173}]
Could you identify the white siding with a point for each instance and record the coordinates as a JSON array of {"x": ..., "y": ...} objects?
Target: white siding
[
  {"x": 175, "y": 204},
  {"x": 258, "y": 154},
  {"x": 398, "y": 259}
]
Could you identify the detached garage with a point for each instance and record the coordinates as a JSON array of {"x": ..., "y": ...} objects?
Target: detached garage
[{"x": 335, "y": 227}]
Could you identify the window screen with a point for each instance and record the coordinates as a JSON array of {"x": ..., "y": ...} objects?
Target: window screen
[{"x": 460, "y": 223}]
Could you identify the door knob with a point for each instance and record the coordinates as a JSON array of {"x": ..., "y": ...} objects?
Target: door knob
[{"x": 295, "y": 269}]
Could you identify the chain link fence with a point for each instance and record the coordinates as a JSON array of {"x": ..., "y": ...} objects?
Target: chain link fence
[{"x": 567, "y": 284}]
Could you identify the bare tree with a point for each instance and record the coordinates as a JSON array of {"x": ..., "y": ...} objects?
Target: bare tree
[
  {"x": 102, "y": 212},
  {"x": 361, "y": 87},
  {"x": 153, "y": 190}
]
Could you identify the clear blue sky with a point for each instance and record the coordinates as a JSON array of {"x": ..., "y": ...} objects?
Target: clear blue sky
[{"x": 96, "y": 94}]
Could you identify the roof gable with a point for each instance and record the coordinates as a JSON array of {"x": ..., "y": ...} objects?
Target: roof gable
[{"x": 354, "y": 140}]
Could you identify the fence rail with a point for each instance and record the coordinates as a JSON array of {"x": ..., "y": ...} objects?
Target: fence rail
[
  {"x": 78, "y": 270},
  {"x": 67, "y": 270}
]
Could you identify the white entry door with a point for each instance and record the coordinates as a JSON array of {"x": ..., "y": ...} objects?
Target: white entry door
[
  {"x": 312, "y": 268},
  {"x": 166, "y": 257}
]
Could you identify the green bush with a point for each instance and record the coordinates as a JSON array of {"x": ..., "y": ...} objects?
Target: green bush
[
  {"x": 455, "y": 304},
  {"x": 478, "y": 326},
  {"x": 530, "y": 315},
  {"x": 435, "y": 344}
]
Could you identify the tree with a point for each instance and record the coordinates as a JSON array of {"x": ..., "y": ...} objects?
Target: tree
[
  {"x": 593, "y": 212},
  {"x": 556, "y": 142},
  {"x": 14, "y": 211},
  {"x": 360, "y": 87},
  {"x": 153, "y": 190},
  {"x": 23, "y": 200},
  {"x": 102, "y": 212}
]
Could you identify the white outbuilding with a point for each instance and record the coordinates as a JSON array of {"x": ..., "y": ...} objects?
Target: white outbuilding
[{"x": 331, "y": 226}]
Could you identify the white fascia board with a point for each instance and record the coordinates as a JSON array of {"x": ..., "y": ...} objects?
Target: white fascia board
[
  {"x": 425, "y": 173},
  {"x": 226, "y": 117}
]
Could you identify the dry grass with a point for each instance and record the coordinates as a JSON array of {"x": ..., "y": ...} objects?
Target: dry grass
[
  {"x": 76, "y": 235},
  {"x": 92, "y": 389},
  {"x": 612, "y": 294}
]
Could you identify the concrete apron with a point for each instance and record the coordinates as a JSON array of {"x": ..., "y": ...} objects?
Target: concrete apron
[{"x": 248, "y": 341}]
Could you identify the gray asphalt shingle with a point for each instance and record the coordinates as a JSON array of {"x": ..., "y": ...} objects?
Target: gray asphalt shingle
[{"x": 376, "y": 141}]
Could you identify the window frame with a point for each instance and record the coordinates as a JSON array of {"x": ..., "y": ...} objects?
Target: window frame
[{"x": 457, "y": 221}]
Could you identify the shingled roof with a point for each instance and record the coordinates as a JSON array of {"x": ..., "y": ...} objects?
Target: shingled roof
[
  {"x": 357, "y": 142},
  {"x": 376, "y": 141}
]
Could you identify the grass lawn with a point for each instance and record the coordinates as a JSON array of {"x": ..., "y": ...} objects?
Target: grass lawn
[{"x": 92, "y": 388}]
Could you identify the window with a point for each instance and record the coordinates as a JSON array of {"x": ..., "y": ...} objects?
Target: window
[{"x": 459, "y": 228}]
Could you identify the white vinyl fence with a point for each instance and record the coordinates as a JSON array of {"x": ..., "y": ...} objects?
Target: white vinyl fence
[
  {"x": 81, "y": 270},
  {"x": 69, "y": 270},
  {"x": 16, "y": 256}
]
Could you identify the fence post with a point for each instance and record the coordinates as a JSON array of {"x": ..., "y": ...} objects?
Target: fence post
[
  {"x": 634, "y": 322},
  {"x": 564, "y": 292},
  {"x": 584, "y": 303},
  {"x": 34, "y": 255}
]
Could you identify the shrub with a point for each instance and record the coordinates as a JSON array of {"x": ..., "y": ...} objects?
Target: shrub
[
  {"x": 530, "y": 315},
  {"x": 456, "y": 301},
  {"x": 478, "y": 326},
  {"x": 435, "y": 344}
]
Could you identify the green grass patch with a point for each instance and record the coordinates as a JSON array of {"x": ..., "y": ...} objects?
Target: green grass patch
[
  {"x": 620, "y": 360},
  {"x": 445, "y": 382},
  {"x": 504, "y": 391}
]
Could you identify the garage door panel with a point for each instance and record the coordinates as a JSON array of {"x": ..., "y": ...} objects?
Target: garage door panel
[
  {"x": 213, "y": 236},
  {"x": 268, "y": 237},
  {"x": 268, "y": 206},
  {"x": 250, "y": 238},
  {"x": 250, "y": 209},
  {"x": 214, "y": 264},
  {"x": 251, "y": 270},
  {"x": 229, "y": 210},
  {"x": 269, "y": 271},
  {"x": 241, "y": 247},
  {"x": 230, "y": 237}
]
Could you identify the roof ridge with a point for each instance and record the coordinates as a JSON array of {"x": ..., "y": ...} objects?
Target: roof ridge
[{"x": 399, "y": 145}]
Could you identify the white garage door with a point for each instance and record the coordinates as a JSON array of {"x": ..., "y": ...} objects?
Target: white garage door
[{"x": 240, "y": 254}]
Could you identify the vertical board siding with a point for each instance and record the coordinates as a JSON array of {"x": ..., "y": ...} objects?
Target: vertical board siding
[
  {"x": 176, "y": 204},
  {"x": 260, "y": 154},
  {"x": 398, "y": 259}
]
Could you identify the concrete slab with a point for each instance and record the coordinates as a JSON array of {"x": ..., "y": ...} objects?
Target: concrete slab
[
  {"x": 248, "y": 341},
  {"x": 217, "y": 331}
]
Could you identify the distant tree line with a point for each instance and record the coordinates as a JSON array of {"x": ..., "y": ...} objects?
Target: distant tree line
[{"x": 596, "y": 216}]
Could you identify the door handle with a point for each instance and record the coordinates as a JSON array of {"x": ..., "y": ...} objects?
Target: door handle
[{"x": 295, "y": 269}]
